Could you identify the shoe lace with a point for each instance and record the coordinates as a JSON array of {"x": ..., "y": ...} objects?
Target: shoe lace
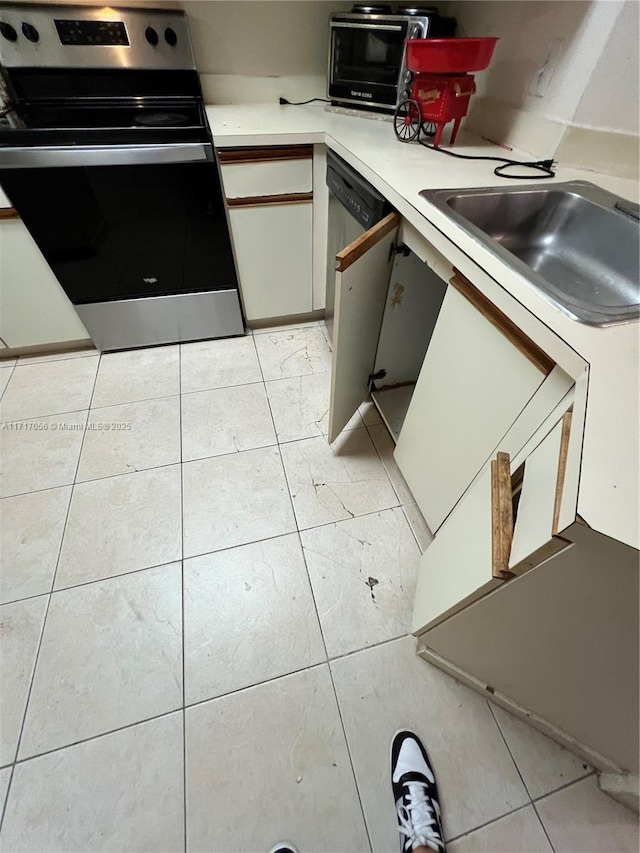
[{"x": 417, "y": 819}]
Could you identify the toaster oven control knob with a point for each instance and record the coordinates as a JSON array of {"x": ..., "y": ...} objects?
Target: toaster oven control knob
[
  {"x": 30, "y": 32},
  {"x": 8, "y": 31},
  {"x": 151, "y": 36},
  {"x": 407, "y": 77},
  {"x": 416, "y": 31},
  {"x": 170, "y": 37}
]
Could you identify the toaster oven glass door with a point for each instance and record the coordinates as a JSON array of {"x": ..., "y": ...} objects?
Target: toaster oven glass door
[{"x": 366, "y": 60}]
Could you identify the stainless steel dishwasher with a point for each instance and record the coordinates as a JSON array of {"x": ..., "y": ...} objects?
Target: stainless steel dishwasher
[{"x": 354, "y": 207}]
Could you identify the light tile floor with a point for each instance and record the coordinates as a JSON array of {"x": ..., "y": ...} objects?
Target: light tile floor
[{"x": 205, "y": 615}]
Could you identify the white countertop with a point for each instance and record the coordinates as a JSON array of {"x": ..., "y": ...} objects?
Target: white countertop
[{"x": 609, "y": 482}]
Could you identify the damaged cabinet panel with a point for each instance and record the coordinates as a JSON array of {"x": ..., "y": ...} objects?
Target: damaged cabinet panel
[{"x": 473, "y": 384}]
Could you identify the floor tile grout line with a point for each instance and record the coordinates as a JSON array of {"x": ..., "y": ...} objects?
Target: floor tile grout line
[
  {"x": 533, "y": 799},
  {"x": 351, "y": 762},
  {"x": 544, "y": 828},
  {"x": 506, "y": 743},
  {"x": 382, "y": 462},
  {"x": 257, "y": 684},
  {"x": 11, "y": 370},
  {"x": 526, "y": 787},
  {"x": 335, "y": 692},
  {"x": 587, "y": 775},
  {"x": 97, "y": 736},
  {"x": 197, "y": 556},
  {"x": 487, "y": 823},
  {"x": 221, "y": 388},
  {"x": 95, "y": 479},
  {"x": 50, "y": 595},
  {"x": 170, "y": 464},
  {"x": 184, "y": 717},
  {"x": 20, "y": 419},
  {"x": 275, "y": 432},
  {"x": 176, "y": 710},
  {"x": 7, "y": 792},
  {"x": 46, "y": 610},
  {"x": 91, "y": 582}
]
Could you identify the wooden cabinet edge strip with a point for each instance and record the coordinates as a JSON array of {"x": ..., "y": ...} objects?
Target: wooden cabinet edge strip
[
  {"x": 501, "y": 516},
  {"x": 562, "y": 468},
  {"x": 262, "y": 200},
  {"x": 503, "y": 323},
  {"x": 9, "y": 213},
  {"x": 355, "y": 250},
  {"x": 265, "y": 155}
]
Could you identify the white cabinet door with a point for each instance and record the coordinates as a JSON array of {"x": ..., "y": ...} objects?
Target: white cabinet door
[
  {"x": 478, "y": 374},
  {"x": 273, "y": 245},
  {"x": 34, "y": 309},
  {"x": 362, "y": 280}
]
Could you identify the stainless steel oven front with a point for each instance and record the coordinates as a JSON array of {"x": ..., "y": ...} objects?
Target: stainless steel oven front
[{"x": 367, "y": 54}]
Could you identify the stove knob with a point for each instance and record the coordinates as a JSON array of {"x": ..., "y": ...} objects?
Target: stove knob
[
  {"x": 8, "y": 31},
  {"x": 151, "y": 36},
  {"x": 170, "y": 37},
  {"x": 416, "y": 31},
  {"x": 404, "y": 96},
  {"x": 30, "y": 32},
  {"x": 407, "y": 77}
]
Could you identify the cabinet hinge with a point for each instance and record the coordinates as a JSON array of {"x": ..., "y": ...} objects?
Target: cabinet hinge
[
  {"x": 373, "y": 377},
  {"x": 399, "y": 249}
]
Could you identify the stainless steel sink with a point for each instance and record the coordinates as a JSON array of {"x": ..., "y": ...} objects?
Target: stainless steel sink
[{"x": 575, "y": 242}]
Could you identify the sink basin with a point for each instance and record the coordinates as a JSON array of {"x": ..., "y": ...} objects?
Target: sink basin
[{"x": 576, "y": 243}]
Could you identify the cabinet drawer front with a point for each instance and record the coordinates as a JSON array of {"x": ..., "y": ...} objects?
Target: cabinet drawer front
[
  {"x": 267, "y": 178},
  {"x": 273, "y": 252}
]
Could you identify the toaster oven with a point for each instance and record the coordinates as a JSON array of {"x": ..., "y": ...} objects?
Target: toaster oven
[{"x": 367, "y": 52}]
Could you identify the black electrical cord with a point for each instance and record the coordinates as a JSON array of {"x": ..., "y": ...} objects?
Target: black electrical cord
[
  {"x": 544, "y": 166},
  {"x": 302, "y": 103}
]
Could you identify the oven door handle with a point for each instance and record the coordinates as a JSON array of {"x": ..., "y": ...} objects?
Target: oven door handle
[{"x": 103, "y": 155}]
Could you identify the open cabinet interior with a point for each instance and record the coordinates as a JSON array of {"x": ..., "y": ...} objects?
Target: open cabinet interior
[{"x": 414, "y": 298}]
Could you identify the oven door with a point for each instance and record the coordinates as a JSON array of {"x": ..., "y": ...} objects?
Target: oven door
[
  {"x": 124, "y": 222},
  {"x": 365, "y": 60}
]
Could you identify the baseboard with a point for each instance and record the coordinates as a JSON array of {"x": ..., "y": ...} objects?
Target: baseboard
[
  {"x": 48, "y": 349},
  {"x": 623, "y": 787},
  {"x": 602, "y": 764},
  {"x": 286, "y": 320}
]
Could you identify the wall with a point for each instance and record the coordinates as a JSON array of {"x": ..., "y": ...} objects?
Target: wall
[
  {"x": 610, "y": 101},
  {"x": 589, "y": 114},
  {"x": 250, "y": 51}
]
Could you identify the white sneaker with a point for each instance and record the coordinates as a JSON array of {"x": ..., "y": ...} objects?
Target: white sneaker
[{"x": 415, "y": 794}]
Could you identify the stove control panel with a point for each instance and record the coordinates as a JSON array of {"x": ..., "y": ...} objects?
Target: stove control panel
[
  {"x": 91, "y": 32},
  {"x": 54, "y": 36}
]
